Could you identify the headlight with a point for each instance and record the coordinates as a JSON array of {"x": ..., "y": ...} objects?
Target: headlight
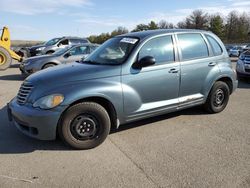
[
  {"x": 40, "y": 49},
  {"x": 26, "y": 62},
  {"x": 240, "y": 66},
  {"x": 49, "y": 101},
  {"x": 242, "y": 57}
]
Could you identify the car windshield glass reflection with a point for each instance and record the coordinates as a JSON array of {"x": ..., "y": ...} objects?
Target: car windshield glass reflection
[{"x": 113, "y": 52}]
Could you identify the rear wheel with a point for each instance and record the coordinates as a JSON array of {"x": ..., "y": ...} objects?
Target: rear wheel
[
  {"x": 218, "y": 98},
  {"x": 5, "y": 59},
  {"x": 85, "y": 125}
]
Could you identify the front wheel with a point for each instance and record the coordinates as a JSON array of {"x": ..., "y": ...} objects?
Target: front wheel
[
  {"x": 85, "y": 125},
  {"x": 48, "y": 65},
  {"x": 218, "y": 98}
]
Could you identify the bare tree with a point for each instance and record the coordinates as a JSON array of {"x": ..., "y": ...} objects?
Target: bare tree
[{"x": 163, "y": 24}]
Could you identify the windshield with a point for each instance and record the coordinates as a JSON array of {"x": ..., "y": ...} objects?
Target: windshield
[
  {"x": 114, "y": 51},
  {"x": 62, "y": 51},
  {"x": 52, "y": 41}
]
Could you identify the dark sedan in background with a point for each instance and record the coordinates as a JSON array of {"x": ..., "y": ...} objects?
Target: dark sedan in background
[
  {"x": 54, "y": 45},
  {"x": 243, "y": 65},
  {"x": 66, "y": 55}
]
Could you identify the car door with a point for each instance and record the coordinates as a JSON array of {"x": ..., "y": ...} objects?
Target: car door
[
  {"x": 154, "y": 89},
  {"x": 196, "y": 64}
]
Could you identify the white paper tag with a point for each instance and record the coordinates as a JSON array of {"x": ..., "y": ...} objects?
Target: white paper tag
[{"x": 129, "y": 40}]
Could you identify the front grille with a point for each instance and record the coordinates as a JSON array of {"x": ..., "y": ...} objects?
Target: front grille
[
  {"x": 247, "y": 70},
  {"x": 24, "y": 92}
]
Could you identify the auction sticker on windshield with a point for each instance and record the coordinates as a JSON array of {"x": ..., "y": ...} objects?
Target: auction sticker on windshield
[{"x": 129, "y": 40}]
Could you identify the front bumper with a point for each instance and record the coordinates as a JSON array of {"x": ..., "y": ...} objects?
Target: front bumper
[
  {"x": 35, "y": 122},
  {"x": 241, "y": 74},
  {"x": 242, "y": 69},
  {"x": 24, "y": 71}
]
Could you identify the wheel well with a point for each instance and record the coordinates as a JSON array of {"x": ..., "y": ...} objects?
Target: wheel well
[
  {"x": 104, "y": 103},
  {"x": 229, "y": 83},
  {"x": 50, "y": 51},
  {"x": 50, "y": 63}
]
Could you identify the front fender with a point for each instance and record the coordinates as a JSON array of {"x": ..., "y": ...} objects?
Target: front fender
[{"x": 106, "y": 88}]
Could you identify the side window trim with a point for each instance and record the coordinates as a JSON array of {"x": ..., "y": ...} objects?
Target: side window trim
[{"x": 211, "y": 46}]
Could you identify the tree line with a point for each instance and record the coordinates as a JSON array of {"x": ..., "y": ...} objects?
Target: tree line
[{"x": 234, "y": 28}]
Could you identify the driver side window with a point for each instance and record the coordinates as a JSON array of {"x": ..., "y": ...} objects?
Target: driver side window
[{"x": 161, "y": 48}]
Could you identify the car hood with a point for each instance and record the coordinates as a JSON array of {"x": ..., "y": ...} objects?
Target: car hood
[
  {"x": 37, "y": 46},
  {"x": 41, "y": 57},
  {"x": 73, "y": 72}
]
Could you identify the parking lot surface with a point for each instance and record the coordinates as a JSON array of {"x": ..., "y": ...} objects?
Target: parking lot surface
[{"x": 189, "y": 148}]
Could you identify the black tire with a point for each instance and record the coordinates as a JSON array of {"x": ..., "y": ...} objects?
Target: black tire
[
  {"x": 84, "y": 126},
  {"x": 5, "y": 59},
  {"x": 48, "y": 65},
  {"x": 49, "y": 52},
  {"x": 218, "y": 98}
]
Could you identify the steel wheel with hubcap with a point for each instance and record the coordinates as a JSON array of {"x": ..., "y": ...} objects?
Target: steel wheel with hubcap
[
  {"x": 218, "y": 98},
  {"x": 84, "y": 125}
]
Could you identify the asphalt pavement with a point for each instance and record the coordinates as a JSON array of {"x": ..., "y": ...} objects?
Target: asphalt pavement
[{"x": 189, "y": 148}]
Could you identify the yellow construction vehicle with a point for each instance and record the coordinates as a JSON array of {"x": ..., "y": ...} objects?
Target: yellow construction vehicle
[{"x": 6, "y": 54}]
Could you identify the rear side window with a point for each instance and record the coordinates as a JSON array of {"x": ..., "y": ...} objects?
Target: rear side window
[
  {"x": 217, "y": 50},
  {"x": 79, "y": 50},
  {"x": 84, "y": 41},
  {"x": 84, "y": 50},
  {"x": 160, "y": 48},
  {"x": 78, "y": 41},
  {"x": 192, "y": 46}
]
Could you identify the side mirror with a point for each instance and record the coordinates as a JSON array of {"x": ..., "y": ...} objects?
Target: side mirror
[
  {"x": 144, "y": 62},
  {"x": 67, "y": 55}
]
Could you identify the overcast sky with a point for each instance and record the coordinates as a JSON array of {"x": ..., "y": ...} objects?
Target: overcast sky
[{"x": 45, "y": 19}]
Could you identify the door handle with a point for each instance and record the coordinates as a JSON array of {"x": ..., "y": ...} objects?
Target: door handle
[
  {"x": 173, "y": 70},
  {"x": 211, "y": 64}
]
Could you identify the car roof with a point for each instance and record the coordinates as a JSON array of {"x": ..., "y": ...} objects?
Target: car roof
[
  {"x": 149, "y": 33},
  {"x": 84, "y": 44},
  {"x": 71, "y": 37}
]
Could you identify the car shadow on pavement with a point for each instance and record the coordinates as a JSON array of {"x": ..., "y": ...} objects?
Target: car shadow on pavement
[
  {"x": 244, "y": 84},
  {"x": 12, "y": 141},
  {"x": 13, "y": 77},
  {"x": 190, "y": 111},
  {"x": 15, "y": 65}
]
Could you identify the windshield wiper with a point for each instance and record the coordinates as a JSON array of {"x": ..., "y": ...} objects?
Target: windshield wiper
[
  {"x": 97, "y": 63},
  {"x": 91, "y": 62}
]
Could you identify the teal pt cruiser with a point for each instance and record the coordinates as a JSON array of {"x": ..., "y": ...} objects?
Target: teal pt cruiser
[{"x": 128, "y": 78}]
